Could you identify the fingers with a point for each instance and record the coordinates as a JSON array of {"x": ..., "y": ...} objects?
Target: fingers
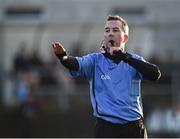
[
  {"x": 56, "y": 45},
  {"x": 58, "y": 48},
  {"x": 53, "y": 45}
]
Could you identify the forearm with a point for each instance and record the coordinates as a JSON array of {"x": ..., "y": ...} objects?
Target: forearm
[
  {"x": 69, "y": 62},
  {"x": 148, "y": 70}
]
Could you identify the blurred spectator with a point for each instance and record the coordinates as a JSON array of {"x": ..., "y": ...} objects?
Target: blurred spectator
[
  {"x": 26, "y": 110},
  {"x": 27, "y": 68},
  {"x": 165, "y": 121},
  {"x": 155, "y": 120},
  {"x": 21, "y": 59},
  {"x": 35, "y": 61},
  {"x": 172, "y": 118},
  {"x": 48, "y": 73},
  {"x": 22, "y": 88}
]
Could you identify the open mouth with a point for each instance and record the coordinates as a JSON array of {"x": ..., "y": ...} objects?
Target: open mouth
[{"x": 111, "y": 43}]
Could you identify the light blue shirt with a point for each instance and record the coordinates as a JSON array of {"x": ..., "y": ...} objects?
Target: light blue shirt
[{"x": 114, "y": 88}]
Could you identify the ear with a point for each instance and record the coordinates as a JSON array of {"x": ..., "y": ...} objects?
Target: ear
[{"x": 126, "y": 38}]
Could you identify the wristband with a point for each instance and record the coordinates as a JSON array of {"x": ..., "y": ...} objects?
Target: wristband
[{"x": 60, "y": 56}]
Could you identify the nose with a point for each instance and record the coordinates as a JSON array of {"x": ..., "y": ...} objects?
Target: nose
[{"x": 111, "y": 34}]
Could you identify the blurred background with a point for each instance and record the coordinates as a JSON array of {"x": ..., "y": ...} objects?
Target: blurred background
[{"x": 38, "y": 97}]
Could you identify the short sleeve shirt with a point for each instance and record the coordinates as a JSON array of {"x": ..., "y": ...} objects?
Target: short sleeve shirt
[{"x": 114, "y": 88}]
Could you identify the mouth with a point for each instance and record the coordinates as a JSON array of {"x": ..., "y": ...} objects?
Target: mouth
[{"x": 111, "y": 43}]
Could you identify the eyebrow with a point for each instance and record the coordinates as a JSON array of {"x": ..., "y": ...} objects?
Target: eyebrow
[{"x": 112, "y": 28}]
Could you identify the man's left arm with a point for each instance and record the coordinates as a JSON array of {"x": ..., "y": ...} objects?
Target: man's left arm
[{"x": 148, "y": 70}]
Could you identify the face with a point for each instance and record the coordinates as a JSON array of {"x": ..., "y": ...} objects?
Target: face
[{"x": 113, "y": 31}]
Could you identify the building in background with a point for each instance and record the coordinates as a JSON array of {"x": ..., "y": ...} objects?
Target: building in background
[{"x": 43, "y": 21}]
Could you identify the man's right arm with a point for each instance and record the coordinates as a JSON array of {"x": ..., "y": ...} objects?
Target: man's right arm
[{"x": 69, "y": 62}]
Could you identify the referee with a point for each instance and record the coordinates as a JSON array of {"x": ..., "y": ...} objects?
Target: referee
[{"x": 114, "y": 77}]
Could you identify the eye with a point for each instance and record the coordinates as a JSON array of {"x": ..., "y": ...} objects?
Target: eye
[
  {"x": 107, "y": 30},
  {"x": 116, "y": 30}
]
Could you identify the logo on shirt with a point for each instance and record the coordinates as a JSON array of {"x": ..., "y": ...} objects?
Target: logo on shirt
[{"x": 105, "y": 77}]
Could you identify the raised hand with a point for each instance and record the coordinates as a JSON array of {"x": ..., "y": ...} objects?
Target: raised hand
[{"x": 59, "y": 50}]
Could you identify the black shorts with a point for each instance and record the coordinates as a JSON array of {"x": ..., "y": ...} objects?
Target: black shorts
[{"x": 104, "y": 129}]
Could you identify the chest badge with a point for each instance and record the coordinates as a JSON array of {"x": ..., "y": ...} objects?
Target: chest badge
[{"x": 105, "y": 77}]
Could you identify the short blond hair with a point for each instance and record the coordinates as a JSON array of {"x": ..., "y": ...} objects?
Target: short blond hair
[{"x": 125, "y": 27}]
